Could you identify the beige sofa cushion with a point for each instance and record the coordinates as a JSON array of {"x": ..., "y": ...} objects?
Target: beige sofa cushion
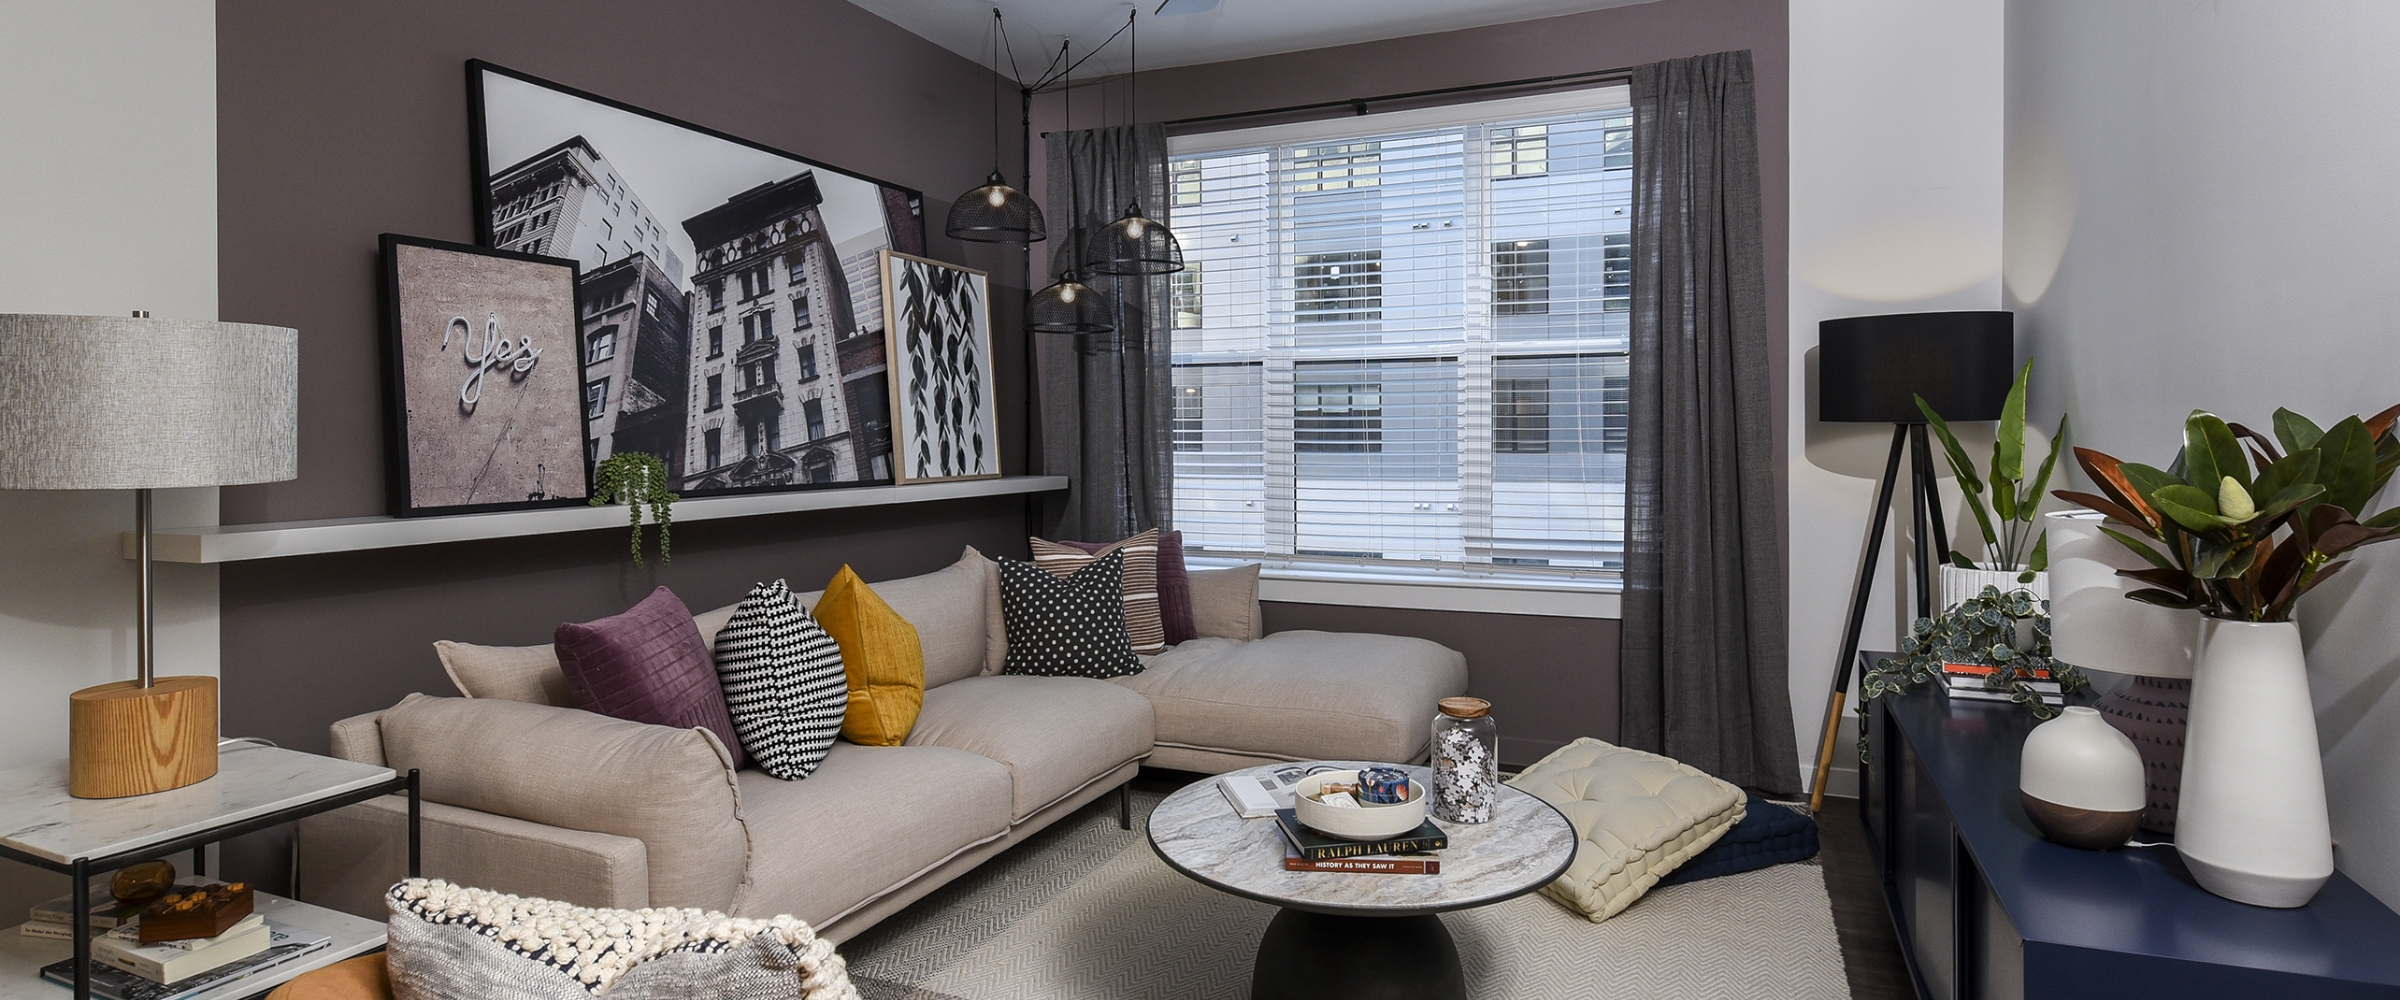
[
  {"x": 1225, "y": 603},
  {"x": 946, "y": 607},
  {"x": 866, "y": 823},
  {"x": 1302, "y": 695},
  {"x": 1637, "y": 816},
  {"x": 1056, "y": 734},
  {"x": 671, "y": 789},
  {"x": 528, "y": 674}
]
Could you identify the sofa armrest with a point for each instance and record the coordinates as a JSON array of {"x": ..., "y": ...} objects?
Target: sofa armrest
[
  {"x": 348, "y": 857},
  {"x": 672, "y": 789},
  {"x": 358, "y": 738}
]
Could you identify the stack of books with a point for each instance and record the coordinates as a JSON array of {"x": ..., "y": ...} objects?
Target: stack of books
[
  {"x": 49, "y": 920},
  {"x": 1966, "y": 680},
  {"x": 123, "y": 968},
  {"x": 1306, "y": 850}
]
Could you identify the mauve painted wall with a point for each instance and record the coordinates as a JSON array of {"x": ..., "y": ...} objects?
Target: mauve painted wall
[{"x": 1550, "y": 679}]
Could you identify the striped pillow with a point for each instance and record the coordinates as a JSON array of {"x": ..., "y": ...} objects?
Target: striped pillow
[
  {"x": 1143, "y": 619},
  {"x": 783, "y": 682}
]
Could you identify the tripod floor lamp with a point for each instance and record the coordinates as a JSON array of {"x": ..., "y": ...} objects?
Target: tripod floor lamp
[{"x": 1871, "y": 369}]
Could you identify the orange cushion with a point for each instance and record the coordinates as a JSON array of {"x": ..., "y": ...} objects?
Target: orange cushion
[
  {"x": 361, "y": 978},
  {"x": 882, "y": 661}
]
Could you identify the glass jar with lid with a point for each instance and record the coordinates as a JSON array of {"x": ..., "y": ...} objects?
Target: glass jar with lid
[{"x": 1466, "y": 761}]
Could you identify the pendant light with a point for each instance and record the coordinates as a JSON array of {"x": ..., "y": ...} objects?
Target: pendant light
[
  {"x": 996, "y": 212},
  {"x": 1134, "y": 245},
  {"x": 1069, "y": 306}
]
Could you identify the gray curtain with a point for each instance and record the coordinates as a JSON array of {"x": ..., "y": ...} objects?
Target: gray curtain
[
  {"x": 1703, "y": 642},
  {"x": 1107, "y": 402}
]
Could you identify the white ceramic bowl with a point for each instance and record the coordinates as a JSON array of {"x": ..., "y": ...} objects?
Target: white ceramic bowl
[{"x": 1367, "y": 822}]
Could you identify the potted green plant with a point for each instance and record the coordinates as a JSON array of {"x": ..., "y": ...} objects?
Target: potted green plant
[
  {"x": 639, "y": 481},
  {"x": 2240, "y": 536},
  {"x": 1987, "y": 629},
  {"x": 2015, "y": 555}
]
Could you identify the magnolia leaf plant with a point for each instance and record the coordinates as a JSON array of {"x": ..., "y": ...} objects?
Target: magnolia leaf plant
[
  {"x": 639, "y": 481},
  {"x": 2011, "y": 538},
  {"x": 2241, "y": 533}
]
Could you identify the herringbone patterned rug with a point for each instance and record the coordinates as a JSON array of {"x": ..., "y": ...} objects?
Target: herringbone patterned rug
[{"x": 1085, "y": 910}]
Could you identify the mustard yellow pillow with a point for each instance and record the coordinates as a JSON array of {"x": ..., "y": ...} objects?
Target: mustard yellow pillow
[{"x": 881, "y": 659}]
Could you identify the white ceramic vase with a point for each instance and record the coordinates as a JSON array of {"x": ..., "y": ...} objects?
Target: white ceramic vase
[
  {"x": 1959, "y": 583},
  {"x": 2081, "y": 781},
  {"x": 2252, "y": 825}
]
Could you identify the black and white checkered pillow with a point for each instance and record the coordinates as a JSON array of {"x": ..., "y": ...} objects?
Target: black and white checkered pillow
[
  {"x": 783, "y": 682},
  {"x": 1067, "y": 627}
]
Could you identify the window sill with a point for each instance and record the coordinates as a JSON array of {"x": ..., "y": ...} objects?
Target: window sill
[{"x": 1553, "y": 598}]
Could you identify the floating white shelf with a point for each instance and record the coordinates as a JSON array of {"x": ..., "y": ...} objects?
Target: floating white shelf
[{"x": 238, "y": 542}]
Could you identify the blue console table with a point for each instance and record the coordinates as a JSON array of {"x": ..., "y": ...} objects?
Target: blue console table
[{"x": 1988, "y": 910}]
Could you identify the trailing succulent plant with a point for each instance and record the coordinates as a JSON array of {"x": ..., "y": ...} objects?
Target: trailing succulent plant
[
  {"x": 639, "y": 481},
  {"x": 2242, "y": 535},
  {"x": 2011, "y": 538},
  {"x": 1986, "y": 630}
]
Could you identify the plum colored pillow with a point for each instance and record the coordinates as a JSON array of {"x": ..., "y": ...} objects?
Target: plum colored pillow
[
  {"x": 647, "y": 665},
  {"x": 1174, "y": 585}
]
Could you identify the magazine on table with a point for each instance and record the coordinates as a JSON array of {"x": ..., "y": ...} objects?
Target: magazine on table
[{"x": 288, "y": 944}]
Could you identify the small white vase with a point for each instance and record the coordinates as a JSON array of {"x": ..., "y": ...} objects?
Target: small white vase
[
  {"x": 2252, "y": 825},
  {"x": 1959, "y": 583},
  {"x": 2081, "y": 781}
]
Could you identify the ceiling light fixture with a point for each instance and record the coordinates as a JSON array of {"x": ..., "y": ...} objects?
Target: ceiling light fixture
[
  {"x": 1134, "y": 244},
  {"x": 1069, "y": 306},
  {"x": 996, "y": 212}
]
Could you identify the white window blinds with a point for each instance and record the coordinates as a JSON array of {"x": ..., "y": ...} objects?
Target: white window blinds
[{"x": 1404, "y": 346}]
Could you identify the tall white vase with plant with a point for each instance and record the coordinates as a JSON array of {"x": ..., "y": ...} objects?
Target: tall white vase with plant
[
  {"x": 2015, "y": 553},
  {"x": 2241, "y": 547}
]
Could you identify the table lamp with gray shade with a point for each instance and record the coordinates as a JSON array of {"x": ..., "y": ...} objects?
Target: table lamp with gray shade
[
  {"x": 2093, "y": 625},
  {"x": 115, "y": 403},
  {"x": 1871, "y": 369}
]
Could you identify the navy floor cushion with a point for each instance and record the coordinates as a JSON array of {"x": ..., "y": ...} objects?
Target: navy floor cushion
[{"x": 1768, "y": 834}]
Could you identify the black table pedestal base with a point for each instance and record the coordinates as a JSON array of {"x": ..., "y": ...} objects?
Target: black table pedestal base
[{"x": 1317, "y": 956}]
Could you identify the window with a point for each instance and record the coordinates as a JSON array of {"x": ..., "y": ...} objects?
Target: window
[
  {"x": 1521, "y": 416},
  {"x": 1412, "y": 356},
  {"x": 712, "y": 444},
  {"x": 716, "y": 295},
  {"x": 1338, "y": 287},
  {"x": 601, "y": 346},
  {"x": 1187, "y": 297},
  {"x": 813, "y": 412},
  {"x": 595, "y": 398},
  {"x": 871, "y": 399},
  {"x": 798, "y": 276},
  {"x": 650, "y": 303},
  {"x": 1328, "y": 416},
  {"x": 1521, "y": 277},
  {"x": 808, "y": 360},
  {"x": 800, "y": 318},
  {"x": 716, "y": 341},
  {"x": 1521, "y": 151},
  {"x": 716, "y": 391},
  {"x": 1337, "y": 167},
  {"x": 1183, "y": 178},
  {"x": 758, "y": 326}
]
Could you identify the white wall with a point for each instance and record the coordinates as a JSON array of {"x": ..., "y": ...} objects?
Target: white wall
[
  {"x": 110, "y": 171},
  {"x": 1896, "y": 109},
  {"x": 2203, "y": 213}
]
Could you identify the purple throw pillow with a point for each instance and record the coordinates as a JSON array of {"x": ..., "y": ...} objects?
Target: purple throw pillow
[
  {"x": 1174, "y": 585},
  {"x": 647, "y": 665}
]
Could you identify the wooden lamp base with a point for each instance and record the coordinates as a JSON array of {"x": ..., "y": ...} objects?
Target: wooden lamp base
[{"x": 125, "y": 739}]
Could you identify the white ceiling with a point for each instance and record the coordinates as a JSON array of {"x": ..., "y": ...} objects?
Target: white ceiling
[{"x": 1236, "y": 29}]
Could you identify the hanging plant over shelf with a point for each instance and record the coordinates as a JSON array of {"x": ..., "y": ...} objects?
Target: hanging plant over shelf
[{"x": 638, "y": 480}]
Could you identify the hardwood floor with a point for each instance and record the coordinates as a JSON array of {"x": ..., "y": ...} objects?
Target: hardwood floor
[{"x": 1870, "y": 950}]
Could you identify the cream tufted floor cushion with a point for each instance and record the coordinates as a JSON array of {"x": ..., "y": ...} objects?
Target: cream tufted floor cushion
[{"x": 1636, "y": 816}]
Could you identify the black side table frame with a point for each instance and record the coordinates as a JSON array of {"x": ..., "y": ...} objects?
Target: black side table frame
[{"x": 197, "y": 842}]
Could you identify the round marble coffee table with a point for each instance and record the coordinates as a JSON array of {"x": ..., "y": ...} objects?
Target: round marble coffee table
[{"x": 1352, "y": 935}]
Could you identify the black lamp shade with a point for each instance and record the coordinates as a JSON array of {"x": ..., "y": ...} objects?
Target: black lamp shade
[
  {"x": 996, "y": 213},
  {"x": 1068, "y": 306},
  {"x": 1134, "y": 245},
  {"x": 1871, "y": 368}
]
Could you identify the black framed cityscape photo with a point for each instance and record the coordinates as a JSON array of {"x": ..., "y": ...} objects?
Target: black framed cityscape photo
[
  {"x": 485, "y": 391},
  {"x": 940, "y": 345},
  {"x": 732, "y": 320}
]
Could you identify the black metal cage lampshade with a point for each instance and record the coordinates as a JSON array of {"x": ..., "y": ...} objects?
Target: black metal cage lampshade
[
  {"x": 996, "y": 213},
  {"x": 1134, "y": 244},
  {"x": 1870, "y": 369},
  {"x": 1068, "y": 306}
]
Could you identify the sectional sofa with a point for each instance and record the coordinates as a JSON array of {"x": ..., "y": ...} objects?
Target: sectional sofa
[{"x": 525, "y": 794}]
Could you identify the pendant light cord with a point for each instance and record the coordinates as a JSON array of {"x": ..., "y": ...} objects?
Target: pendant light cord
[{"x": 996, "y": 90}]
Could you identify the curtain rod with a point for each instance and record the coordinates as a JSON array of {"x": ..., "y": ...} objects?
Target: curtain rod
[{"x": 1358, "y": 105}]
